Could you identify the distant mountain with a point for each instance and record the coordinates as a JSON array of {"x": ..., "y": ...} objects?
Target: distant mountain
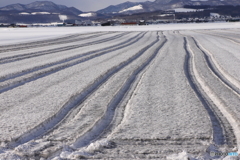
[
  {"x": 118, "y": 8},
  {"x": 15, "y": 7},
  {"x": 47, "y": 11},
  {"x": 171, "y": 4},
  {"x": 43, "y": 6},
  {"x": 39, "y": 11},
  {"x": 133, "y": 7}
]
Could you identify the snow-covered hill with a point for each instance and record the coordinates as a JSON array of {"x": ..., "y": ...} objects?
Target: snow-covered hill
[
  {"x": 41, "y": 6},
  {"x": 134, "y": 8},
  {"x": 120, "y": 8},
  {"x": 36, "y": 12},
  {"x": 162, "y": 5},
  {"x": 87, "y": 14}
]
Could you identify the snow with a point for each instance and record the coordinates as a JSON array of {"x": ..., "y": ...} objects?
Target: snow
[
  {"x": 214, "y": 15},
  {"x": 187, "y": 10},
  {"x": 16, "y": 35},
  {"x": 24, "y": 13},
  {"x": 180, "y": 156},
  {"x": 87, "y": 14},
  {"x": 147, "y": 116},
  {"x": 63, "y": 17},
  {"x": 230, "y": 54},
  {"x": 137, "y": 92},
  {"x": 35, "y": 13},
  {"x": 137, "y": 7},
  {"x": 226, "y": 100},
  {"x": 75, "y": 78},
  {"x": 163, "y": 15}
]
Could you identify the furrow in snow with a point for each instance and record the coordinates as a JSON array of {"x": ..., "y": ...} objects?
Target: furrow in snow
[
  {"x": 57, "y": 45},
  {"x": 223, "y": 106},
  {"x": 138, "y": 96},
  {"x": 40, "y": 53},
  {"x": 88, "y": 112},
  {"x": 232, "y": 39},
  {"x": 51, "y": 92},
  {"x": 75, "y": 100},
  {"x": 69, "y": 58},
  {"x": 227, "y": 33},
  {"x": 218, "y": 132},
  {"x": 225, "y": 77},
  {"x": 10, "y": 69},
  {"x": 103, "y": 123},
  {"x": 38, "y": 72},
  {"x": 223, "y": 53},
  {"x": 36, "y": 44},
  {"x": 161, "y": 114}
]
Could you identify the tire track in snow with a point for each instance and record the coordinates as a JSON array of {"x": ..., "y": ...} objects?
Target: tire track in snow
[
  {"x": 228, "y": 32},
  {"x": 226, "y": 120},
  {"x": 233, "y": 120},
  {"x": 55, "y": 50},
  {"x": 43, "y": 43},
  {"x": 23, "y": 77},
  {"x": 103, "y": 123},
  {"x": 10, "y": 46},
  {"x": 230, "y": 39},
  {"x": 218, "y": 71},
  {"x": 23, "y": 72},
  {"x": 120, "y": 113},
  {"x": 218, "y": 135},
  {"x": 77, "y": 115},
  {"x": 74, "y": 101}
]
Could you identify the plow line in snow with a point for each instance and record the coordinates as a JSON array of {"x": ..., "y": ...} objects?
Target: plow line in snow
[
  {"x": 18, "y": 79},
  {"x": 75, "y": 101},
  {"x": 55, "y": 50},
  {"x": 55, "y": 41},
  {"x": 218, "y": 135},
  {"x": 103, "y": 123},
  {"x": 216, "y": 100},
  {"x": 225, "y": 77}
]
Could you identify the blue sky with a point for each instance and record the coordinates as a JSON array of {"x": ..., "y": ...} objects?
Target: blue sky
[{"x": 83, "y": 5}]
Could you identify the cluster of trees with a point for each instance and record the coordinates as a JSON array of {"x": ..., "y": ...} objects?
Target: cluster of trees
[
  {"x": 225, "y": 11},
  {"x": 233, "y": 11}
]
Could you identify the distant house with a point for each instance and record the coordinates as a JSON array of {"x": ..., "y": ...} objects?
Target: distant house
[
  {"x": 142, "y": 22},
  {"x": 233, "y": 20},
  {"x": 22, "y": 26},
  {"x": 78, "y": 22},
  {"x": 129, "y": 23},
  {"x": 88, "y": 23},
  {"x": 83, "y": 23},
  {"x": 214, "y": 15},
  {"x": 5, "y": 25},
  {"x": 68, "y": 24},
  {"x": 106, "y": 24}
]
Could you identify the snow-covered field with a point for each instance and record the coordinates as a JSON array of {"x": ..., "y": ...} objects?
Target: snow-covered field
[{"x": 152, "y": 92}]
